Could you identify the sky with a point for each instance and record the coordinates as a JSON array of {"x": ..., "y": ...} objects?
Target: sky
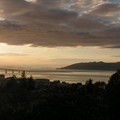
[{"x": 56, "y": 33}]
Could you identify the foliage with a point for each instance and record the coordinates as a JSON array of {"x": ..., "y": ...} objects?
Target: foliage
[{"x": 20, "y": 100}]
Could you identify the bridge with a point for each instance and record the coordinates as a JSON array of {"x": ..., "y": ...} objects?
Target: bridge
[{"x": 6, "y": 70}]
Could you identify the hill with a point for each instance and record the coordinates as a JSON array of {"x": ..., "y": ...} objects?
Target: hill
[{"x": 94, "y": 66}]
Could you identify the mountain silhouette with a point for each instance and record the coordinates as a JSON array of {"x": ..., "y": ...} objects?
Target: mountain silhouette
[{"x": 94, "y": 66}]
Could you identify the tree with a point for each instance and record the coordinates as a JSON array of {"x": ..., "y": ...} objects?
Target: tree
[{"x": 23, "y": 75}]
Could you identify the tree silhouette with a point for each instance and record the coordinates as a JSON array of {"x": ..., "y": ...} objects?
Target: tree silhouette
[{"x": 23, "y": 74}]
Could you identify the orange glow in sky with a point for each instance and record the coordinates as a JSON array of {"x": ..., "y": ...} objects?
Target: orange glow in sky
[{"x": 56, "y": 33}]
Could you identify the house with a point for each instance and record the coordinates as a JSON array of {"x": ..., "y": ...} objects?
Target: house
[{"x": 2, "y": 76}]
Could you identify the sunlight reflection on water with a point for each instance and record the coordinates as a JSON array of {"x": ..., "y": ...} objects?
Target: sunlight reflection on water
[{"x": 69, "y": 76}]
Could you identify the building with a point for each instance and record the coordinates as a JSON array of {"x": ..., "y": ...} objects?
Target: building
[{"x": 2, "y": 76}]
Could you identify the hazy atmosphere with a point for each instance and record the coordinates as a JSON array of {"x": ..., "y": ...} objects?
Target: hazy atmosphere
[
  {"x": 59, "y": 59},
  {"x": 55, "y": 33}
]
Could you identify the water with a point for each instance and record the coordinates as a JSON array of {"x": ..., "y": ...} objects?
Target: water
[{"x": 71, "y": 76}]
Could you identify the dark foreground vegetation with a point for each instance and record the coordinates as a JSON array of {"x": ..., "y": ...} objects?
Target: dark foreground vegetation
[{"x": 27, "y": 99}]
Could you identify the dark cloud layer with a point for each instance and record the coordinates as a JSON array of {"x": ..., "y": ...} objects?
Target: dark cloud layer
[
  {"x": 55, "y": 23},
  {"x": 117, "y": 56}
]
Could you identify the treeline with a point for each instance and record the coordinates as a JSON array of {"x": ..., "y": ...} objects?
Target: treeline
[{"x": 20, "y": 99}]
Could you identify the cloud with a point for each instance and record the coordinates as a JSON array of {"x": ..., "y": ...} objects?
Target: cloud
[
  {"x": 58, "y": 23},
  {"x": 12, "y": 54},
  {"x": 117, "y": 46},
  {"x": 106, "y": 9},
  {"x": 117, "y": 56},
  {"x": 10, "y": 8},
  {"x": 58, "y": 62}
]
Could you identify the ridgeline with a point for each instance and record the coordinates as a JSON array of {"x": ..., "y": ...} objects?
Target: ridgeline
[{"x": 94, "y": 66}]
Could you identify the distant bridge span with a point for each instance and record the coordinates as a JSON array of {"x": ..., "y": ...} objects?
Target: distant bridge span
[{"x": 12, "y": 70}]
